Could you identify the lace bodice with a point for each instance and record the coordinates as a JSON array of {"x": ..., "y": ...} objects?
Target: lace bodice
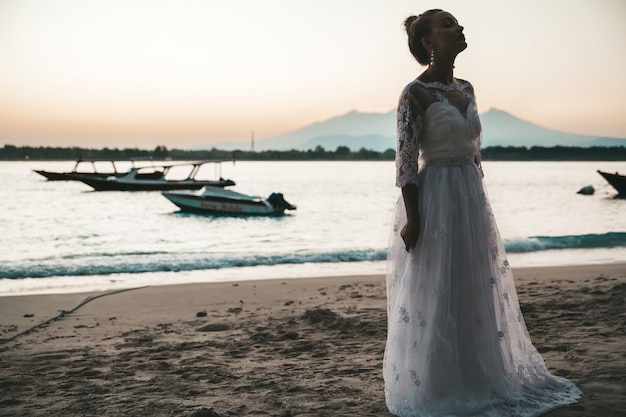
[{"x": 446, "y": 131}]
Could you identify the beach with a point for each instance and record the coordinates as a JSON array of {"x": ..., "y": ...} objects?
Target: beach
[{"x": 281, "y": 347}]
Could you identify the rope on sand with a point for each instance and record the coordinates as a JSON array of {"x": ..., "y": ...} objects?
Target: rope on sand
[{"x": 64, "y": 313}]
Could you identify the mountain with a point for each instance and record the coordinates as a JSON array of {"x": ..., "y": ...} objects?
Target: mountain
[
  {"x": 376, "y": 131},
  {"x": 353, "y": 129},
  {"x": 503, "y": 129},
  {"x": 372, "y": 142}
]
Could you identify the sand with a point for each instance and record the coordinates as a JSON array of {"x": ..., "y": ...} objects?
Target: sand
[{"x": 298, "y": 347}]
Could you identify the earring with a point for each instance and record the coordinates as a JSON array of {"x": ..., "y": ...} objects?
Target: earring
[{"x": 432, "y": 57}]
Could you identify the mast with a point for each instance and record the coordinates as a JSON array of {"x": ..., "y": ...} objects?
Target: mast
[{"x": 252, "y": 140}]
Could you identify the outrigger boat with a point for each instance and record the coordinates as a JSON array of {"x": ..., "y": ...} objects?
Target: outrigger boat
[
  {"x": 154, "y": 178},
  {"x": 94, "y": 172},
  {"x": 617, "y": 181},
  {"x": 218, "y": 201}
]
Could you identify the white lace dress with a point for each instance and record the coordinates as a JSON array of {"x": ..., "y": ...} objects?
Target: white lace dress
[{"x": 457, "y": 344}]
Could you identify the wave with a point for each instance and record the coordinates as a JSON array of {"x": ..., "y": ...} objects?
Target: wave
[
  {"x": 159, "y": 261},
  {"x": 541, "y": 243},
  {"x": 106, "y": 264}
]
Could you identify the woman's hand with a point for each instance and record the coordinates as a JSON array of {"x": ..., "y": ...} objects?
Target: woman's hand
[{"x": 410, "y": 234}]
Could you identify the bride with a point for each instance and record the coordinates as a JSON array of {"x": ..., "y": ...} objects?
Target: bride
[{"x": 457, "y": 344}]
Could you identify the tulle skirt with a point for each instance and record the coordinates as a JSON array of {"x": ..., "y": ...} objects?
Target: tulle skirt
[{"x": 457, "y": 343}]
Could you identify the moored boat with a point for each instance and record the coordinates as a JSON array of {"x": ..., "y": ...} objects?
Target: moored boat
[
  {"x": 154, "y": 178},
  {"x": 218, "y": 201},
  {"x": 617, "y": 181},
  {"x": 80, "y": 170}
]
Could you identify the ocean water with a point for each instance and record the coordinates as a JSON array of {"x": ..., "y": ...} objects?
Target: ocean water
[{"x": 64, "y": 237}]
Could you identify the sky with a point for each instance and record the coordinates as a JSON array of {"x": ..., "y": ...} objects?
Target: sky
[{"x": 188, "y": 73}]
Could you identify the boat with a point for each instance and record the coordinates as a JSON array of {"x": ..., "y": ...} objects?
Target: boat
[
  {"x": 154, "y": 178},
  {"x": 94, "y": 172},
  {"x": 617, "y": 181},
  {"x": 219, "y": 201}
]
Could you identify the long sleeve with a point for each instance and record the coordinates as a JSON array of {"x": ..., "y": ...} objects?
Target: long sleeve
[
  {"x": 478, "y": 156},
  {"x": 409, "y": 129}
]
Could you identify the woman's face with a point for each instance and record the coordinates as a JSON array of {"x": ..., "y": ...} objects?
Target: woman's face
[{"x": 446, "y": 34}]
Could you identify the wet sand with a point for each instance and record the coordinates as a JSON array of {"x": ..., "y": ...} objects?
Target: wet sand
[{"x": 297, "y": 347}]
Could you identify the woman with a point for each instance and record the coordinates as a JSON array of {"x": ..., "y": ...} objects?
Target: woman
[{"x": 457, "y": 344}]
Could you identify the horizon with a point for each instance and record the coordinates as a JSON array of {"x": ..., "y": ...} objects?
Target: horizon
[
  {"x": 230, "y": 146},
  {"x": 192, "y": 73}
]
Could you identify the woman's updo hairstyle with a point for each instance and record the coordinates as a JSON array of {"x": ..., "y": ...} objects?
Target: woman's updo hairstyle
[{"x": 417, "y": 27}]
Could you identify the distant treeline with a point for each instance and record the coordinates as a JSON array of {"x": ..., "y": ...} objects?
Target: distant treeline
[
  {"x": 342, "y": 153},
  {"x": 555, "y": 153}
]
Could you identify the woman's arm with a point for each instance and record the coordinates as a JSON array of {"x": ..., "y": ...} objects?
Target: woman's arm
[{"x": 411, "y": 230}]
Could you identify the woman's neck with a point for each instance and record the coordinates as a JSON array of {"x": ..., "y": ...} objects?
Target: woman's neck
[{"x": 442, "y": 72}]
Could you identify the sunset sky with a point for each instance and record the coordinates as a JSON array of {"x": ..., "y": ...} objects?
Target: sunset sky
[{"x": 184, "y": 73}]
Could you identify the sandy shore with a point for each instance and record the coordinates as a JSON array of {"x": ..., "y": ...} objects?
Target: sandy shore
[{"x": 299, "y": 347}]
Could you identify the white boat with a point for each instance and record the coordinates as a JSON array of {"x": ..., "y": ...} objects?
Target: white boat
[{"x": 214, "y": 200}]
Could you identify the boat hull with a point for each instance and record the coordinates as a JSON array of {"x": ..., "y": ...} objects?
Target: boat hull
[
  {"x": 74, "y": 176},
  {"x": 617, "y": 181},
  {"x": 117, "y": 184}
]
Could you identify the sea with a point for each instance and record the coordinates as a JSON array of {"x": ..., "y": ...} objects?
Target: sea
[{"x": 61, "y": 236}]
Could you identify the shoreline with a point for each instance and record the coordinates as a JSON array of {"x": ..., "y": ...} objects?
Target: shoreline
[
  {"x": 110, "y": 282},
  {"x": 278, "y": 347}
]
